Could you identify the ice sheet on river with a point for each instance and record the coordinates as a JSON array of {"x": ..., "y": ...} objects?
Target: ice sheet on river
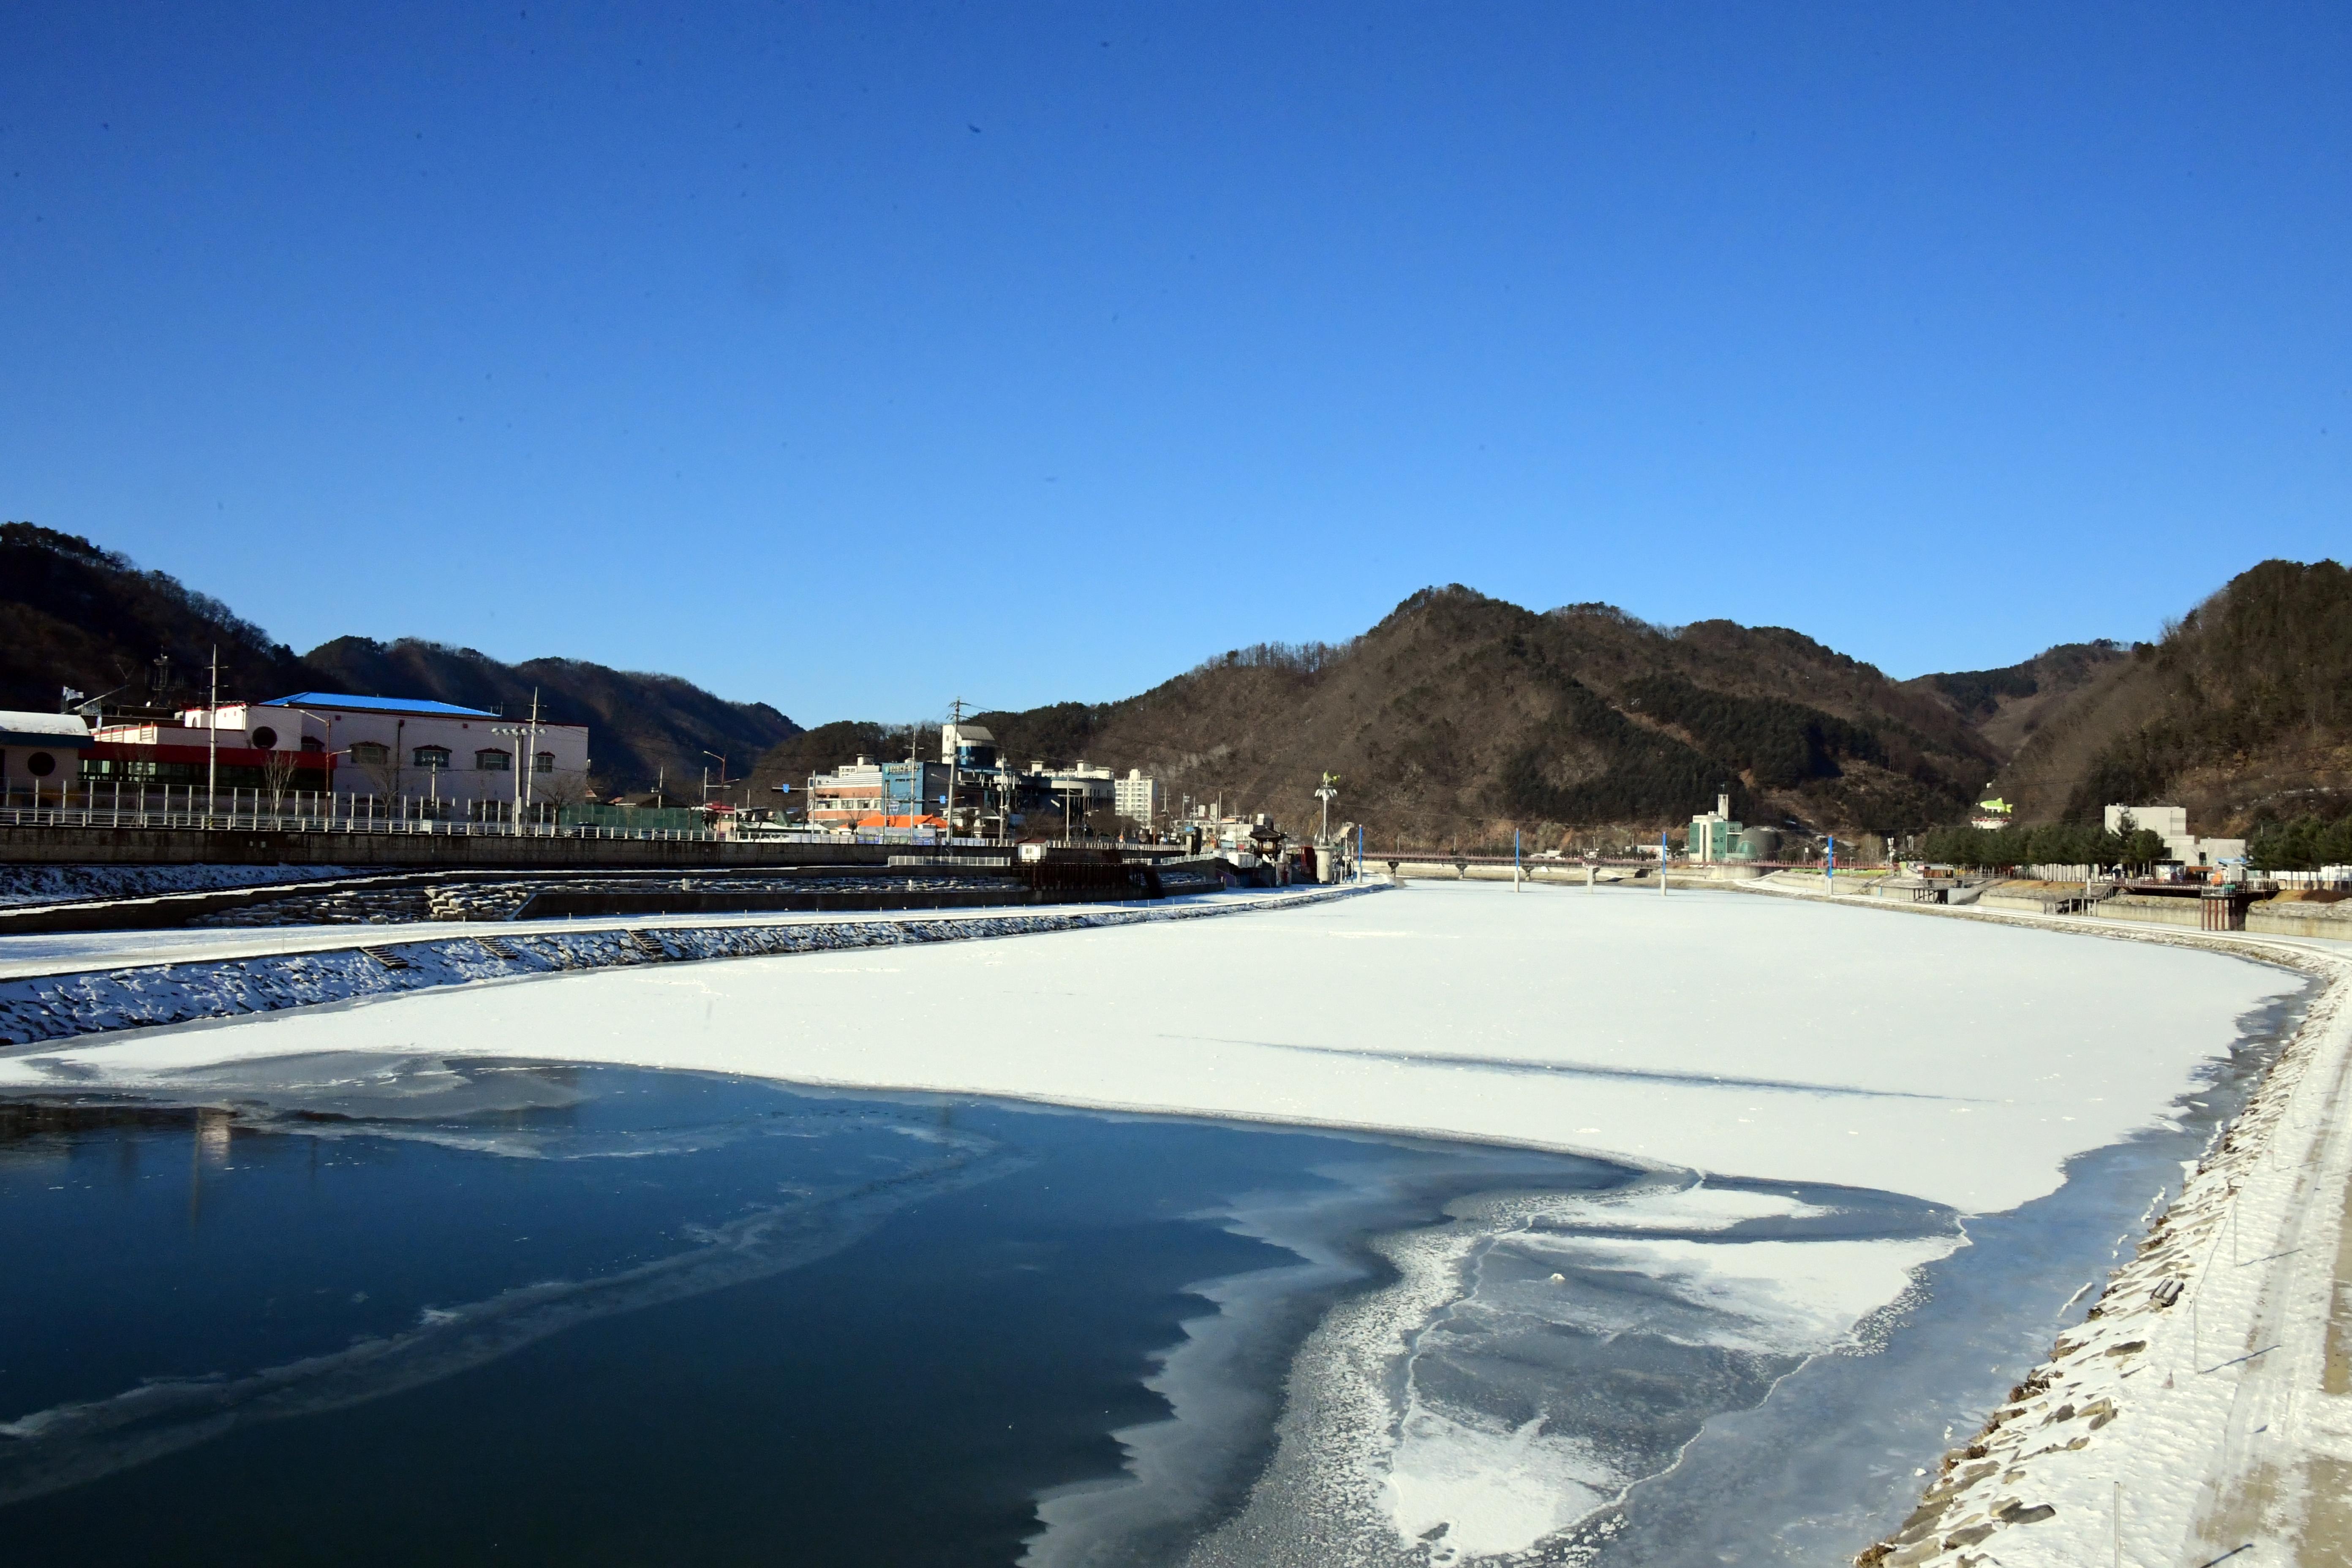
[{"x": 1961, "y": 1063}]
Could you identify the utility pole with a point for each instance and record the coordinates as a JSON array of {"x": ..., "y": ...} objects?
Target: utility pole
[
  {"x": 526, "y": 737},
  {"x": 531, "y": 761},
  {"x": 212, "y": 743},
  {"x": 955, "y": 744}
]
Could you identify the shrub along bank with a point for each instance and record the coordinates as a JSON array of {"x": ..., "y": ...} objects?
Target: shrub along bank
[{"x": 2042, "y": 844}]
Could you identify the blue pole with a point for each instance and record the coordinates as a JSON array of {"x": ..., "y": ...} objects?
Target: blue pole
[
  {"x": 1360, "y": 852},
  {"x": 1515, "y": 859},
  {"x": 1831, "y": 879},
  {"x": 1666, "y": 852}
]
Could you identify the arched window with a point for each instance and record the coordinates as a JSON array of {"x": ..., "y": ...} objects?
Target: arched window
[
  {"x": 370, "y": 753},
  {"x": 490, "y": 762},
  {"x": 433, "y": 759},
  {"x": 543, "y": 764}
]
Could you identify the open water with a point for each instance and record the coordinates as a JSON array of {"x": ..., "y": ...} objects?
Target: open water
[{"x": 360, "y": 1310}]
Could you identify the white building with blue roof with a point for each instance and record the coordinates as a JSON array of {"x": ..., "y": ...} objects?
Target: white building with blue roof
[
  {"x": 388, "y": 747},
  {"x": 404, "y": 745}
]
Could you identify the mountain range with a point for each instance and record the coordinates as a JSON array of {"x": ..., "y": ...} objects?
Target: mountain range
[
  {"x": 1462, "y": 719},
  {"x": 74, "y": 614},
  {"x": 1459, "y": 718}
]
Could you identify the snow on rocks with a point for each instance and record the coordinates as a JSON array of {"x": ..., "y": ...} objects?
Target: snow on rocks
[
  {"x": 2190, "y": 1414},
  {"x": 61, "y": 1007},
  {"x": 68, "y": 884}
]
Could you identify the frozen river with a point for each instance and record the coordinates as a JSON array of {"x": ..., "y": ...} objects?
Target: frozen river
[{"x": 1815, "y": 1183}]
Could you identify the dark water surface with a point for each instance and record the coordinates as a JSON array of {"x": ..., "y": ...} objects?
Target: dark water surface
[
  {"x": 515, "y": 1313},
  {"x": 374, "y": 1311}
]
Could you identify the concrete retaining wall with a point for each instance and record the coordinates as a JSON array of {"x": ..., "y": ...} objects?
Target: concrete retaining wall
[
  {"x": 2267, "y": 918},
  {"x": 1560, "y": 873}
]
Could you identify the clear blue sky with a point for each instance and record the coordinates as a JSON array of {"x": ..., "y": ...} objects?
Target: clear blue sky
[{"x": 855, "y": 358}]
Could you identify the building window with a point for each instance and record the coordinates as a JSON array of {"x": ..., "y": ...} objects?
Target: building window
[
  {"x": 265, "y": 739},
  {"x": 312, "y": 744},
  {"x": 40, "y": 765},
  {"x": 434, "y": 758},
  {"x": 543, "y": 764},
  {"x": 370, "y": 753},
  {"x": 493, "y": 762}
]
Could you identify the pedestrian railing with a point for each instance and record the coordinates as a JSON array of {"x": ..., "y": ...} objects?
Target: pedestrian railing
[{"x": 367, "y": 815}]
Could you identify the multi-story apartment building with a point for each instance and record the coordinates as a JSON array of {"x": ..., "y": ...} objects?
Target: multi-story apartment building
[{"x": 1137, "y": 798}]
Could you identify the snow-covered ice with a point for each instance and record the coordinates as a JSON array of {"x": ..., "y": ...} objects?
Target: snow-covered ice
[{"x": 1951, "y": 1061}]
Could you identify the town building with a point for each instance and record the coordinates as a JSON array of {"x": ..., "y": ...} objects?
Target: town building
[
  {"x": 1136, "y": 798},
  {"x": 410, "y": 746},
  {"x": 385, "y": 747},
  {"x": 40, "y": 754},
  {"x": 970, "y": 747},
  {"x": 2170, "y": 823},
  {"x": 866, "y": 796},
  {"x": 275, "y": 755},
  {"x": 1714, "y": 836},
  {"x": 1067, "y": 796}
]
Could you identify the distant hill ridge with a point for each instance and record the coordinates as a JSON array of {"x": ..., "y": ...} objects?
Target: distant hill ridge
[
  {"x": 72, "y": 614},
  {"x": 1461, "y": 718},
  {"x": 2241, "y": 713},
  {"x": 1461, "y": 715},
  {"x": 1456, "y": 719}
]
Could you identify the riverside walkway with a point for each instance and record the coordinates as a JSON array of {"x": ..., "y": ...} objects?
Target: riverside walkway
[{"x": 2203, "y": 1414}]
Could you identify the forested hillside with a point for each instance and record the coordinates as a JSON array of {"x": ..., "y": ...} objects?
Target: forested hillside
[
  {"x": 2008, "y": 707},
  {"x": 72, "y": 614},
  {"x": 2243, "y": 712},
  {"x": 1460, "y": 716},
  {"x": 1456, "y": 719}
]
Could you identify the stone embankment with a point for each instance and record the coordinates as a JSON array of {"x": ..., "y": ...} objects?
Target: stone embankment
[
  {"x": 39, "y": 1010},
  {"x": 2291, "y": 912},
  {"x": 2203, "y": 1407}
]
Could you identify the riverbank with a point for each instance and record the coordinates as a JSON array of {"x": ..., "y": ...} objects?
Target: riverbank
[
  {"x": 63, "y": 988},
  {"x": 2204, "y": 1406}
]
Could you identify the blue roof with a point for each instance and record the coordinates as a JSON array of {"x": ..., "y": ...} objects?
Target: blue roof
[{"x": 373, "y": 704}]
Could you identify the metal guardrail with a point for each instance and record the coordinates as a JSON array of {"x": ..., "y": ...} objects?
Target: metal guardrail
[
  {"x": 266, "y": 822},
  {"x": 194, "y": 819},
  {"x": 1566, "y": 862}
]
